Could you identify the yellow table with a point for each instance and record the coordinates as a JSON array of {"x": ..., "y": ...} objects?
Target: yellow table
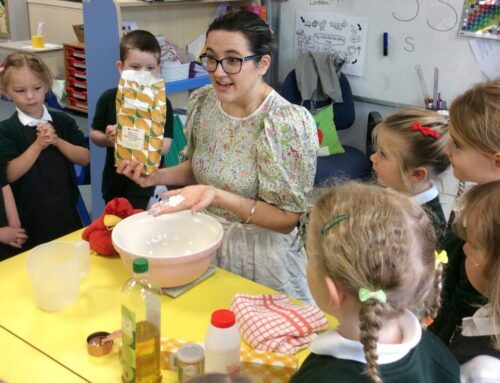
[
  {"x": 17, "y": 356},
  {"x": 62, "y": 335}
]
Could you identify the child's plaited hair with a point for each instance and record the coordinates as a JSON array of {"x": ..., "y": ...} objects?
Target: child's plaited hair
[
  {"x": 475, "y": 117},
  {"x": 387, "y": 243},
  {"x": 20, "y": 60},
  {"x": 419, "y": 149},
  {"x": 142, "y": 40},
  {"x": 478, "y": 222}
]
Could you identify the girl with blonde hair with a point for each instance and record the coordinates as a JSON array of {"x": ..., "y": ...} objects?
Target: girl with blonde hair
[
  {"x": 477, "y": 344},
  {"x": 474, "y": 152},
  {"x": 372, "y": 264},
  {"x": 410, "y": 155}
]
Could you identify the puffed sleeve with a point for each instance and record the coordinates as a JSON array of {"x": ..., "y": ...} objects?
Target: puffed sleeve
[{"x": 286, "y": 158}]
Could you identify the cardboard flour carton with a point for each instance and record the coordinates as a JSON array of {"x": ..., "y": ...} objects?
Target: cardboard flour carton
[{"x": 141, "y": 113}]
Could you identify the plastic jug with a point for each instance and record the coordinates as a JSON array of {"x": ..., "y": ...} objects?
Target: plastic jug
[{"x": 56, "y": 269}]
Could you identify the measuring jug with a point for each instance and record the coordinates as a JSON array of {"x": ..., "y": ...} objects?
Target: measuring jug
[{"x": 56, "y": 269}]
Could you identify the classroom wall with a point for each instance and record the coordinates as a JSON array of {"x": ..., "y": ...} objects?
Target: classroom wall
[
  {"x": 427, "y": 37},
  {"x": 18, "y": 23},
  {"x": 419, "y": 33}
]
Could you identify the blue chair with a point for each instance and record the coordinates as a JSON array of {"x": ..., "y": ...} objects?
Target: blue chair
[{"x": 353, "y": 164}]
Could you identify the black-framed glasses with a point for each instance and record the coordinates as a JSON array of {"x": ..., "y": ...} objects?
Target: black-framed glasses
[{"x": 230, "y": 65}]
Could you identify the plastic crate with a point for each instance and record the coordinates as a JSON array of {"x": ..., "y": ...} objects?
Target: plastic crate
[
  {"x": 77, "y": 53},
  {"x": 77, "y": 63},
  {"x": 72, "y": 92},
  {"x": 77, "y": 84},
  {"x": 77, "y": 73},
  {"x": 175, "y": 72},
  {"x": 78, "y": 103}
]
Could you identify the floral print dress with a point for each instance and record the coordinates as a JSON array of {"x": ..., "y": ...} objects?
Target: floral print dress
[{"x": 269, "y": 155}]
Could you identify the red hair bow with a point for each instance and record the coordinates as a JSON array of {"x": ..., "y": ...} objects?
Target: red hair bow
[{"x": 424, "y": 130}]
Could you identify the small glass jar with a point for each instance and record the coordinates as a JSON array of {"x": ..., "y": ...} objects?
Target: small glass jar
[{"x": 190, "y": 361}]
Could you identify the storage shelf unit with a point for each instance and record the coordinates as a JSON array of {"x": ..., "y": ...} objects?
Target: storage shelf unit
[{"x": 76, "y": 76}]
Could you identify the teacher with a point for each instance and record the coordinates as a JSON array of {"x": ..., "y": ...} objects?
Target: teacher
[{"x": 251, "y": 158}]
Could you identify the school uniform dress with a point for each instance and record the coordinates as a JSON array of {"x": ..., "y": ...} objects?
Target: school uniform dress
[
  {"x": 473, "y": 348},
  {"x": 421, "y": 357},
  {"x": 46, "y": 195},
  {"x": 113, "y": 184},
  {"x": 429, "y": 200},
  {"x": 269, "y": 155},
  {"x": 459, "y": 298}
]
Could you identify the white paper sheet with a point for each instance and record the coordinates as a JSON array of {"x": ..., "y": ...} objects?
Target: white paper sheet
[
  {"x": 487, "y": 55},
  {"x": 195, "y": 47},
  {"x": 333, "y": 33}
]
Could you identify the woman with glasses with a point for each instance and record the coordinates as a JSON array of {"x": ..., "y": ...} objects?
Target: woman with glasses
[{"x": 251, "y": 158}]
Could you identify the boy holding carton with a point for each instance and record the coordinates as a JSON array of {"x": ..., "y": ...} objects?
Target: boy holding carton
[{"x": 139, "y": 51}]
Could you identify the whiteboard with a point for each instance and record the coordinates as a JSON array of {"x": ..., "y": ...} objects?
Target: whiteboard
[{"x": 419, "y": 32}]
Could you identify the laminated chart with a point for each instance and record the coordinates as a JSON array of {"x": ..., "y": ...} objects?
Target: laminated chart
[
  {"x": 325, "y": 32},
  {"x": 481, "y": 19}
]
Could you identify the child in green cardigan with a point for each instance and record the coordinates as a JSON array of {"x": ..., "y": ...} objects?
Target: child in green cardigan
[
  {"x": 41, "y": 148},
  {"x": 139, "y": 51},
  {"x": 474, "y": 152},
  {"x": 477, "y": 344},
  {"x": 410, "y": 155},
  {"x": 372, "y": 264}
]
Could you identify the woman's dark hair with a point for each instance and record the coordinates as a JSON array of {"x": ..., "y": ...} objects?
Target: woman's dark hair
[{"x": 257, "y": 33}]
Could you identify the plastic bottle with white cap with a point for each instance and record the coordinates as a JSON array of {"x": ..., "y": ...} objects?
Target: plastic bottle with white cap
[{"x": 222, "y": 344}]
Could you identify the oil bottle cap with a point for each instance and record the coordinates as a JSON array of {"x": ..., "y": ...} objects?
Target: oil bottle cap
[
  {"x": 140, "y": 265},
  {"x": 223, "y": 318}
]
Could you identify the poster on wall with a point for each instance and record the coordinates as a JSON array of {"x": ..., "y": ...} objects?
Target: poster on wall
[
  {"x": 481, "y": 19},
  {"x": 333, "y": 33},
  {"x": 4, "y": 20}
]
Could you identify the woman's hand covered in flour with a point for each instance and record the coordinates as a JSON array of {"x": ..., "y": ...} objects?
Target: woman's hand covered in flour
[{"x": 194, "y": 198}]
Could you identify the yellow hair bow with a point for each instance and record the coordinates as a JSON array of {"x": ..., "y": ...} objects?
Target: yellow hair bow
[
  {"x": 365, "y": 294},
  {"x": 441, "y": 257}
]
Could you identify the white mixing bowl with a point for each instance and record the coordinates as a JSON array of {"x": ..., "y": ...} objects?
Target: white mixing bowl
[{"x": 179, "y": 246}]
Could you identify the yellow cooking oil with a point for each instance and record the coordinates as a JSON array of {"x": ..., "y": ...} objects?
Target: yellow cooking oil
[
  {"x": 147, "y": 353},
  {"x": 141, "y": 323}
]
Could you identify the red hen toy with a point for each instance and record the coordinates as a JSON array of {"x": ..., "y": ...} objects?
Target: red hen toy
[{"x": 98, "y": 233}]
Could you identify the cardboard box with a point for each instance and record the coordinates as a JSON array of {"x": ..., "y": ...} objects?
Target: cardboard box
[
  {"x": 78, "y": 28},
  {"x": 260, "y": 366}
]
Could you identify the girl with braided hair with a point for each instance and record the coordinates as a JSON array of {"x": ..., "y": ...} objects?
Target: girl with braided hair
[{"x": 372, "y": 264}]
